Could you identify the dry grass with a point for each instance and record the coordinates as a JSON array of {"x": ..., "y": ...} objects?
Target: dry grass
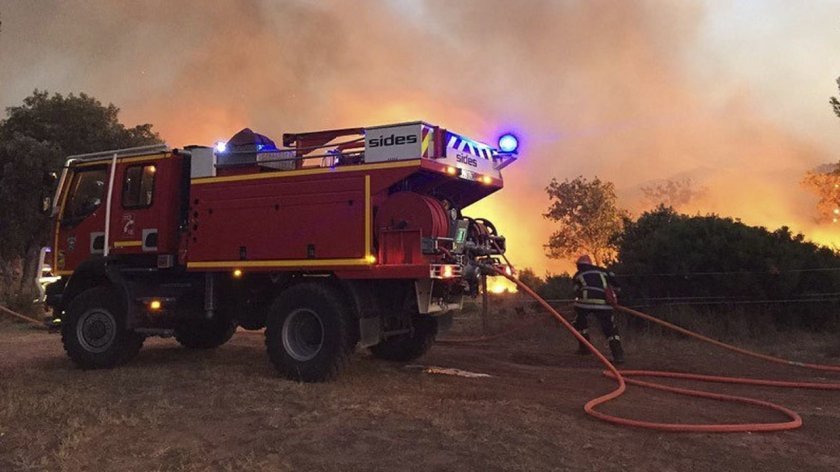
[
  {"x": 176, "y": 410},
  {"x": 226, "y": 410}
]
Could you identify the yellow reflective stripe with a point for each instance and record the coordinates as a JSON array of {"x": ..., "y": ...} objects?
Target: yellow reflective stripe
[
  {"x": 277, "y": 263},
  {"x": 584, "y": 285},
  {"x": 137, "y": 243},
  {"x": 592, "y": 301},
  {"x": 427, "y": 141}
]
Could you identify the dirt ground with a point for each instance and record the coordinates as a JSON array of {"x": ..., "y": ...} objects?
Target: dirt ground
[{"x": 174, "y": 409}]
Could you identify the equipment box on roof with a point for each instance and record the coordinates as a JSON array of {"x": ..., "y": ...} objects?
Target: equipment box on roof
[{"x": 398, "y": 142}]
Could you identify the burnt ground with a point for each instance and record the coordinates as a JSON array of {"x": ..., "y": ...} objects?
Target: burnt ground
[{"x": 173, "y": 409}]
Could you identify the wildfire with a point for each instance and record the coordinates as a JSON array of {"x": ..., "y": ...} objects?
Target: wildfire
[
  {"x": 500, "y": 285},
  {"x": 648, "y": 137}
]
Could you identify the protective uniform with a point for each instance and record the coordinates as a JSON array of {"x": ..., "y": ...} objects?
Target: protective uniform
[{"x": 591, "y": 285}]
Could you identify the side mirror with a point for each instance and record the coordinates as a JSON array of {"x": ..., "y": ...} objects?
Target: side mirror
[
  {"x": 49, "y": 179},
  {"x": 46, "y": 205}
]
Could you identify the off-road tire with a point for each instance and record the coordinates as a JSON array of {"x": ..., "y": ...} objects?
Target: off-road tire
[
  {"x": 94, "y": 332},
  {"x": 205, "y": 334},
  {"x": 318, "y": 313},
  {"x": 410, "y": 346}
]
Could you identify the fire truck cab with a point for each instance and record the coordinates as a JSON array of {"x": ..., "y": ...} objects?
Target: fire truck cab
[{"x": 330, "y": 240}]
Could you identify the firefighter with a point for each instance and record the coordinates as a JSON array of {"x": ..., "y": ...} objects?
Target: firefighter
[{"x": 594, "y": 293}]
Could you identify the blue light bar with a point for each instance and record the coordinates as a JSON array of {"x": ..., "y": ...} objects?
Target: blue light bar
[{"x": 508, "y": 143}]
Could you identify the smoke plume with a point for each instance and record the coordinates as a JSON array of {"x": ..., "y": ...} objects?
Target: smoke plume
[{"x": 592, "y": 88}]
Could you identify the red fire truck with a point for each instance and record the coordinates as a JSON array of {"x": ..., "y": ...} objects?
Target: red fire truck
[{"x": 334, "y": 239}]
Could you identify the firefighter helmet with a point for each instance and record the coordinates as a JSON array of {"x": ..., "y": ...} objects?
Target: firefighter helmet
[{"x": 584, "y": 259}]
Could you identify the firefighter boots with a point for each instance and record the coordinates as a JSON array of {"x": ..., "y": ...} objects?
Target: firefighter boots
[
  {"x": 617, "y": 350},
  {"x": 582, "y": 350}
]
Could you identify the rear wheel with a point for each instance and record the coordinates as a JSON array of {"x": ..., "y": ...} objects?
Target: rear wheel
[
  {"x": 409, "y": 346},
  {"x": 205, "y": 334},
  {"x": 94, "y": 332},
  {"x": 309, "y": 333}
]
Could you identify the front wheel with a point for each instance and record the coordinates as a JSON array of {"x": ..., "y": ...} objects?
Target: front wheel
[
  {"x": 309, "y": 333},
  {"x": 409, "y": 346},
  {"x": 94, "y": 331}
]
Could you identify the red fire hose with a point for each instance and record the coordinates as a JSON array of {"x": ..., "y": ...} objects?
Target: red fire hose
[
  {"x": 20, "y": 317},
  {"x": 622, "y": 378}
]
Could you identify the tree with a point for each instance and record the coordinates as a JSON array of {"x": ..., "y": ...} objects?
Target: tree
[
  {"x": 673, "y": 193},
  {"x": 824, "y": 181},
  {"x": 34, "y": 139},
  {"x": 558, "y": 286},
  {"x": 528, "y": 277},
  {"x": 588, "y": 216},
  {"x": 835, "y": 104}
]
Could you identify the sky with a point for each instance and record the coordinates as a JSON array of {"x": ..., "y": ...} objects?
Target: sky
[{"x": 730, "y": 94}]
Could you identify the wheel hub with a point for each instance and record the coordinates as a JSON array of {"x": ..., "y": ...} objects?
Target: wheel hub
[
  {"x": 96, "y": 330},
  {"x": 303, "y": 334}
]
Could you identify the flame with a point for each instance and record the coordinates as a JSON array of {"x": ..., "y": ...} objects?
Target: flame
[{"x": 499, "y": 285}]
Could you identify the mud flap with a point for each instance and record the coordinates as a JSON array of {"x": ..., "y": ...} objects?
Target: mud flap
[
  {"x": 370, "y": 331},
  {"x": 429, "y": 305}
]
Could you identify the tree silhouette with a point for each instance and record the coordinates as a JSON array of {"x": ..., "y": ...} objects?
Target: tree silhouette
[
  {"x": 673, "y": 193},
  {"x": 588, "y": 217},
  {"x": 35, "y": 138}
]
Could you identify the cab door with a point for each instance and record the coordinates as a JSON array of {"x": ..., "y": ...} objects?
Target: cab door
[
  {"x": 145, "y": 205},
  {"x": 80, "y": 228}
]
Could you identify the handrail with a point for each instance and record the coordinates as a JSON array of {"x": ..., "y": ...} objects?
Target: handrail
[
  {"x": 295, "y": 149},
  {"x": 125, "y": 152},
  {"x": 287, "y": 159}
]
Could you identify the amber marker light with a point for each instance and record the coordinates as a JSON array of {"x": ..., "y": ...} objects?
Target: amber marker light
[
  {"x": 451, "y": 170},
  {"x": 486, "y": 179},
  {"x": 237, "y": 273},
  {"x": 371, "y": 259},
  {"x": 155, "y": 305}
]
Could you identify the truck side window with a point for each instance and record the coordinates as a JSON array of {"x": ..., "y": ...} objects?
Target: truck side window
[
  {"x": 86, "y": 194},
  {"x": 139, "y": 186}
]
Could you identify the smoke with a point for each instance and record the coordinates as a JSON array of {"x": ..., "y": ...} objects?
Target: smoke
[{"x": 593, "y": 88}]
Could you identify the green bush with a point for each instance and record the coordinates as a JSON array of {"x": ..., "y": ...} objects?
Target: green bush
[{"x": 720, "y": 264}]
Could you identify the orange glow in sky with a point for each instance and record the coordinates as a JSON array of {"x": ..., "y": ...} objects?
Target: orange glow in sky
[{"x": 631, "y": 92}]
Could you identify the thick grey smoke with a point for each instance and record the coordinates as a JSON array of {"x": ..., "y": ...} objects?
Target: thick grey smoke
[{"x": 593, "y": 88}]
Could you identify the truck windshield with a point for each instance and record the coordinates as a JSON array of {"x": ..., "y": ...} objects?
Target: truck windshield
[{"x": 86, "y": 194}]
